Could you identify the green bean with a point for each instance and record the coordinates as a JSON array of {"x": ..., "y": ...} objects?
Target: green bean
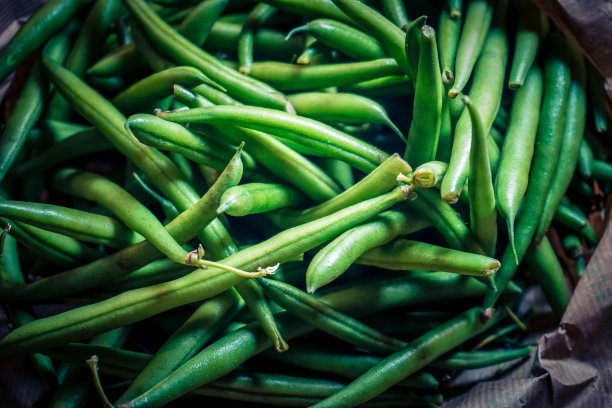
[
  {"x": 547, "y": 270},
  {"x": 390, "y": 37},
  {"x": 312, "y": 8},
  {"x": 165, "y": 135},
  {"x": 325, "y": 318},
  {"x": 427, "y": 113},
  {"x": 344, "y": 38},
  {"x": 497, "y": 137},
  {"x": 307, "y": 132},
  {"x": 77, "y": 224},
  {"x": 403, "y": 254},
  {"x": 289, "y": 77},
  {"x": 429, "y": 174},
  {"x": 84, "y": 49},
  {"x": 418, "y": 354},
  {"x": 48, "y": 19},
  {"x": 573, "y": 245},
  {"x": 519, "y": 143},
  {"x": 340, "y": 171},
  {"x": 585, "y": 159},
  {"x": 382, "y": 179},
  {"x": 571, "y": 143},
  {"x": 60, "y": 130},
  {"x": 256, "y": 18},
  {"x": 412, "y": 45},
  {"x": 449, "y": 28},
  {"x": 185, "y": 52},
  {"x": 395, "y": 11},
  {"x": 204, "y": 323},
  {"x": 58, "y": 248},
  {"x": 199, "y": 22},
  {"x": 602, "y": 170},
  {"x": 346, "y": 364},
  {"x": 465, "y": 360},
  {"x": 119, "y": 61},
  {"x": 473, "y": 37},
  {"x": 121, "y": 203},
  {"x": 255, "y": 198},
  {"x": 529, "y": 30},
  {"x": 548, "y": 139},
  {"x": 341, "y": 107},
  {"x": 336, "y": 257},
  {"x": 25, "y": 113},
  {"x": 485, "y": 92},
  {"x": 148, "y": 53},
  {"x": 158, "y": 168},
  {"x": 156, "y": 86},
  {"x": 576, "y": 221},
  {"x": 483, "y": 217},
  {"x": 385, "y": 86},
  {"x": 201, "y": 284},
  {"x": 161, "y": 270},
  {"x": 233, "y": 349},
  {"x": 183, "y": 228}
]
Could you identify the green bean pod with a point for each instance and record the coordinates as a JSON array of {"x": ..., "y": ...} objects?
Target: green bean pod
[
  {"x": 183, "y": 228},
  {"x": 602, "y": 170},
  {"x": 148, "y": 53},
  {"x": 571, "y": 144},
  {"x": 155, "y": 272},
  {"x": 573, "y": 246},
  {"x": 597, "y": 98},
  {"x": 385, "y": 86},
  {"x": 412, "y": 44},
  {"x": 131, "y": 212},
  {"x": 157, "y": 86},
  {"x": 290, "y": 77},
  {"x": 382, "y": 179},
  {"x": 344, "y": 38},
  {"x": 547, "y": 270},
  {"x": 345, "y": 364},
  {"x": 255, "y": 198},
  {"x": 158, "y": 168},
  {"x": 429, "y": 174},
  {"x": 257, "y": 17},
  {"x": 48, "y": 19},
  {"x": 529, "y": 30},
  {"x": 576, "y": 221},
  {"x": 312, "y": 8},
  {"x": 77, "y": 224},
  {"x": 513, "y": 174},
  {"x": 483, "y": 217},
  {"x": 404, "y": 255},
  {"x": 198, "y": 24},
  {"x": 449, "y": 29},
  {"x": 204, "y": 323},
  {"x": 341, "y": 172},
  {"x": 485, "y": 92},
  {"x": 548, "y": 139},
  {"x": 324, "y": 317},
  {"x": 337, "y": 256},
  {"x": 427, "y": 113},
  {"x": 58, "y": 248},
  {"x": 390, "y": 37},
  {"x": 187, "y": 53},
  {"x": 466, "y": 360},
  {"x": 585, "y": 160},
  {"x": 341, "y": 107},
  {"x": 119, "y": 61},
  {"x": 201, "y": 284},
  {"x": 477, "y": 22},
  {"x": 418, "y": 354},
  {"x": 310, "y": 133},
  {"x": 395, "y": 11}
]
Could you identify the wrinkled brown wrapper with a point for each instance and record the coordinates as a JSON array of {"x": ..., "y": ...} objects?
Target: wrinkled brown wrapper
[{"x": 572, "y": 365}]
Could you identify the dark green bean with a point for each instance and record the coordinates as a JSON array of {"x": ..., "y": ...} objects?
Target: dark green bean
[
  {"x": 395, "y": 11},
  {"x": 449, "y": 28},
  {"x": 576, "y": 221},
  {"x": 573, "y": 245},
  {"x": 199, "y": 22},
  {"x": 597, "y": 98},
  {"x": 121, "y": 60},
  {"x": 585, "y": 159},
  {"x": 313, "y": 8},
  {"x": 256, "y": 18},
  {"x": 385, "y": 86},
  {"x": 602, "y": 170},
  {"x": 530, "y": 29},
  {"x": 465, "y": 360},
  {"x": 412, "y": 45}
]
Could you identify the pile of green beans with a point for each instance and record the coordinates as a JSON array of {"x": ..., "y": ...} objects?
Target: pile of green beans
[{"x": 216, "y": 192}]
